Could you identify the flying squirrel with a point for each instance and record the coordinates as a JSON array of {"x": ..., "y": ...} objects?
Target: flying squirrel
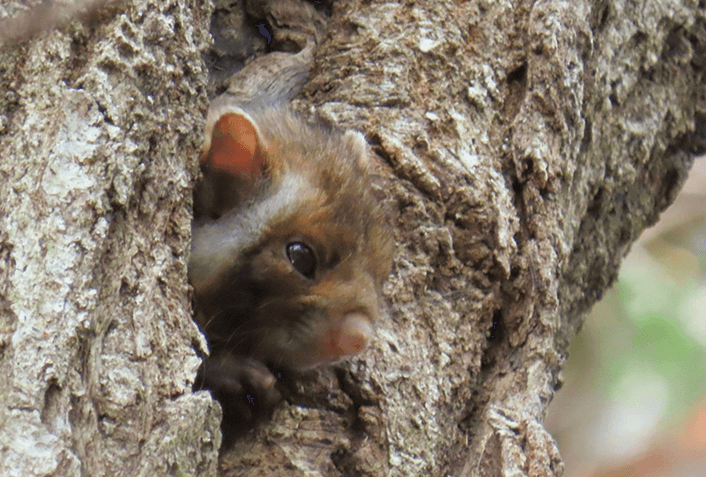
[{"x": 290, "y": 246}]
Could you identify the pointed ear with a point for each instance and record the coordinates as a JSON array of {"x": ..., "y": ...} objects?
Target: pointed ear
[
  {"x": 358, "y": 145},
  {"x": 232, "y": 161},
  {"x": 233, "y": 146}
]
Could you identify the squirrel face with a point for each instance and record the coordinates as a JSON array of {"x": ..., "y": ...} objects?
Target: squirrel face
[{"x": 289, "y": 246}]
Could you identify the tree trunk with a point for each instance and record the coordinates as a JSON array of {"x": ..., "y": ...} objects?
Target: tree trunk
[
  {"x": 523, "y": 148},
  {"x": 99, "y": 129}
]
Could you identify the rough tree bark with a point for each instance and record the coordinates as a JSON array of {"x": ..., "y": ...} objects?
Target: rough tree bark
[
  {"x": 523, "y": 147},
  {"x": 99, "y": 127}
]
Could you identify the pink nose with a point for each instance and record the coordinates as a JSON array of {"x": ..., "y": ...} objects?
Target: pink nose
[{"x": 352, "y": 337}]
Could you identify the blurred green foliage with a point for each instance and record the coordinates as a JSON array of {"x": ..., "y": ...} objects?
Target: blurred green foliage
[{"x": 637, "y": 369}]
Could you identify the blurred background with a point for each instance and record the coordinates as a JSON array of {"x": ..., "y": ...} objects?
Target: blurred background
[{"x": 634, "y": 399}]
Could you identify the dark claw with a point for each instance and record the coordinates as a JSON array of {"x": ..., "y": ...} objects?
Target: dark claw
[{"x": 245, "y": 388}]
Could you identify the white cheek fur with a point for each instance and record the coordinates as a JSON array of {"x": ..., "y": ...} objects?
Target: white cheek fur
[{"x": 215, "y": 245}]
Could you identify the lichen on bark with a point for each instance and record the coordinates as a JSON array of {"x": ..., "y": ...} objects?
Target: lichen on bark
[
  {"x": 523, "y": 146},
  {"x": 98, "y": 144}
]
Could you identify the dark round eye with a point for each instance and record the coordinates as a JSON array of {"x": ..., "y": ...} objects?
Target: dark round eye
[{"x": 302, "y": 258}]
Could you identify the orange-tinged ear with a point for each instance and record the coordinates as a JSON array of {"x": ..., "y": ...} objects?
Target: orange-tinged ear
[
  {"x": 233, "y": 161},
  {"x": 235, "y": 147}
]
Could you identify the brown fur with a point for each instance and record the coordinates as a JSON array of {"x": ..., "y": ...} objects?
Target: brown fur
[{"x": 313, "y": 187}]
